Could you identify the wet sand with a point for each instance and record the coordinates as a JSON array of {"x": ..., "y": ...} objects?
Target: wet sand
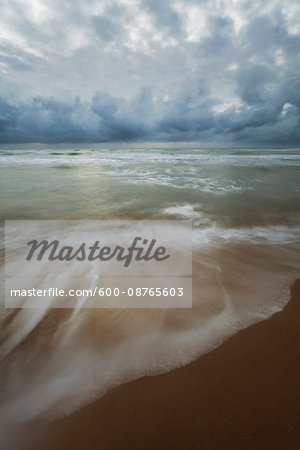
[{"x": 243, "y": 395}]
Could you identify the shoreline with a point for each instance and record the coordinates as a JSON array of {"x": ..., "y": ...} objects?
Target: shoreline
[{"x": 244, "y": 394}]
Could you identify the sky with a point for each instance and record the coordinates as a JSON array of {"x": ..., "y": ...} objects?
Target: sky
[{"x": 225, "y": 71}]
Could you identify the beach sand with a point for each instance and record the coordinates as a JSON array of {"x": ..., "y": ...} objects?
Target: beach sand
[{"x": 243, "y": 395}]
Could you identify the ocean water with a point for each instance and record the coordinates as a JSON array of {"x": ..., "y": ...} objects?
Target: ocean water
[
  {"x": 245, "y": 207},
  {"x": 230, "y": 187}
]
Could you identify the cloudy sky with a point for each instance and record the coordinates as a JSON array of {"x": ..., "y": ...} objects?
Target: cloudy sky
[{"x": 150, "y": 70}]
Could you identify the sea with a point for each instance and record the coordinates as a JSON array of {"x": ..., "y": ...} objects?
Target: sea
[{"x": 244, "y": 204}]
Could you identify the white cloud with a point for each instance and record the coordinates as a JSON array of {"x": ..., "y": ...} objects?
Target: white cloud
[{"x": 214, "y": 67}]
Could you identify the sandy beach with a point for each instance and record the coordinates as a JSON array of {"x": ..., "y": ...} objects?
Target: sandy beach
[{"x": 243, "y": 395}]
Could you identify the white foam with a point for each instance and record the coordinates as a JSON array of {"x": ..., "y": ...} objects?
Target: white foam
[
  {"x": 217, "y": 235},
  {"x": 187, "y": 211},
  {"x": 92, "y": 351}
]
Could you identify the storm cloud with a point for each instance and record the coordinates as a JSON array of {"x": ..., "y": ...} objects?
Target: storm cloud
[{"x": 90, "y": 71}]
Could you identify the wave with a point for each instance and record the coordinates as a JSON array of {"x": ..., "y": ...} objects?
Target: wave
[{"x": 56, "y": 361}]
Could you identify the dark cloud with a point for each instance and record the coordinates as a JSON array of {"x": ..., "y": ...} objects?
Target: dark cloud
[
  {"x": 104, "y": 28},
  {"x": 165, "y": 17},
  {"x": 105, "y": 118},
  {"x": 149, "y": 70}
]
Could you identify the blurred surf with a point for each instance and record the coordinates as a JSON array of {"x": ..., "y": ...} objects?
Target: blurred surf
[{"x": 245, "y": 208}]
